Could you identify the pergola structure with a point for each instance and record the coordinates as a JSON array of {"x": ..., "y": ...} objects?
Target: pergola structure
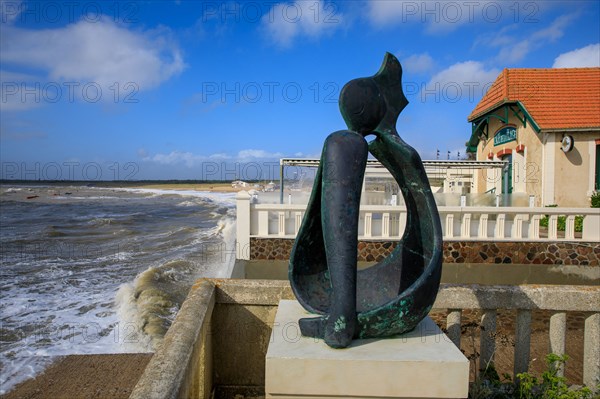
[{"x": 435, "y": 169}]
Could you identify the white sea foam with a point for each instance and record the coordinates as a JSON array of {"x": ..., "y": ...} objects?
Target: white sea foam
[
  {"x": 150, "y": 302},
  {"x": 227, "y": 199},
  {"x": 51, "y": 325},
  {"x": 90, "y": 302},
  {"x": 188, "y": 203}
]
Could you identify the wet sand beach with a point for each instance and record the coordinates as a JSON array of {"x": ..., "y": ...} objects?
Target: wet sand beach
[
  {"x": 210, "y": 187},
  {"x": 85, "y": 376}
]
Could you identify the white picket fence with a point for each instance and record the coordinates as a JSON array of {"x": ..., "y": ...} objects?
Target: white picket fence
[{"x": 387, "y": 222}]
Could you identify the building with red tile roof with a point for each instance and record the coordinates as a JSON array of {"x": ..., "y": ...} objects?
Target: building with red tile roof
[{"x": 546, "y": 124}]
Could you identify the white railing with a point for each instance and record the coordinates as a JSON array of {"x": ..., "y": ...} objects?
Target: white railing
[
  {"x": 387, "y": 222},
  {"x": 524, "y": 299}
]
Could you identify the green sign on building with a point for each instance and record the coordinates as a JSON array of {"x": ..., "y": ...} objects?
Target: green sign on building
[{"x": 505, "y": 135}]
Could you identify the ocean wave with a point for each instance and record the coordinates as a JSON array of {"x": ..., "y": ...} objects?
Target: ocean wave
[
  {"x": 116, "y": 271},
  {"x": 219, "y": 256},
  {"x": 188, "y": 203},
  {"x": 52, "y": 232},
  {"x": 101, "y": 221},
  {"x": 95, "y": 197},
  {"x": 11, "y": 190},
  {"x": 153, "y": 299},
  {"x": 227, "y": 199}
]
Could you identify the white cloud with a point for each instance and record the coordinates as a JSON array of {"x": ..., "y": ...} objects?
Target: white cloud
[
  {"x": 382, "y": 12},
  {"x": 101, "y": 52},
  {"x": 418, "y": 63},
  {"x": 555, "y": 30},
  {"x": 514, "y": 45},
  {"x": 467, "y": 71},
  {"x": 258, "y": 154},
  {"x": 219, "y": 155},
  {"x": 438, "y": 17},
  {"x": 588, "y": 56},
  {"x": 514, "y": 53},
  {"x": 177, "y": 157},
  {"x": 444, "y": 16},
  {"x": 286, "y": 22},
  {"x": 464, "y": 80},
  {"x": 191, "y": 160}
]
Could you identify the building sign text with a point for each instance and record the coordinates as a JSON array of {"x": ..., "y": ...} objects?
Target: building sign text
[{"x": 505, "y": 135}]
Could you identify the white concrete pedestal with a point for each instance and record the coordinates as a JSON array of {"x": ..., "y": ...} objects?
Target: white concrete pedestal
[{"x": 421, "y": 364}]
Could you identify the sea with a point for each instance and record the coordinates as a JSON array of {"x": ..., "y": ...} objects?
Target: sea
[{"x": 97, "y": 270}]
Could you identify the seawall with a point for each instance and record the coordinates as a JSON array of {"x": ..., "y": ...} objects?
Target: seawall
[{"x": 525, "y": 253}]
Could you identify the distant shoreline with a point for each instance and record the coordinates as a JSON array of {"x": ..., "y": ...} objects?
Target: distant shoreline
[{"x": 210, "y": 186}]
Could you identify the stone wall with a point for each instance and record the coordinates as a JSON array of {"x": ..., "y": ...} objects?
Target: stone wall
[
  {"x": 548, "y": 253},
  {"x": 217, "y": 345}
]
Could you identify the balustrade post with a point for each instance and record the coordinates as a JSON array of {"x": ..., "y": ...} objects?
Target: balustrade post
[
  {"x": 558, "y": 329},
  {"x": 449, "y": 225},
  {"x": 298, "y": 222},
  {"x": 534, "y": 227},
  {"x": 243, "y": 225},
  {"x": 522, "y": 341},
  {"x": 281, "y": 223},
  {"x": 465, "y": 228},
  {"x": 401, "y": 223},
  {"x": 517, "y": 229},
  {"x": 368, "y": 224},
  {"x": 385, "y": 225},
  {"x": 591, "y": 351},
  {"x": 263, "y": 223},
  {"x": 483, "y": 226},
  {"x": 499, "y": 233},
  {"x": 453, "y": 325},
  {"x": 553, "y": 227},
  {"x": 570, "y": 227},
  {"x": 487, "y": 339}
]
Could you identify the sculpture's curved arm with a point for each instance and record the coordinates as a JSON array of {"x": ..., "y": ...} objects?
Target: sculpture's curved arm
[
  {"x": 418, "y": 255},
  {"x": 393, "y": 296}
]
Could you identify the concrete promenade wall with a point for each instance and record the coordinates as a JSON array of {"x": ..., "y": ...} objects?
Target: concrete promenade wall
[
  {"x": 182, "y": 366},
  {"x": 549, "y": 253},
  {"x": 218, "y": 342}
]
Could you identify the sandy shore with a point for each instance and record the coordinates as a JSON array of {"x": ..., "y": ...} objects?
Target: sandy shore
[
  {"x": 211, "y": 187},
  {"x": 85, "y": 376}
]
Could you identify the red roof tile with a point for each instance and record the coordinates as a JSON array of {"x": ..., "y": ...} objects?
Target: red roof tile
[{"x": 556, "y": 98}]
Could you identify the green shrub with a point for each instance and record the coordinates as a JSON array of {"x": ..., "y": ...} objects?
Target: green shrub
[
  {"x": 526, "y": 386},
  {"x": 595, "y": 200},
  {"x": 551, "y": 386},
  {"x": 561, "y": 223}
]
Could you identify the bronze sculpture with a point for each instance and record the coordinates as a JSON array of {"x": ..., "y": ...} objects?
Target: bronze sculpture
[{"x": 394, "y": 295}]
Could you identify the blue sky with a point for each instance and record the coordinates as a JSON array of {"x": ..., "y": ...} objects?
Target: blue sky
[{"x": 193, "y": 90}]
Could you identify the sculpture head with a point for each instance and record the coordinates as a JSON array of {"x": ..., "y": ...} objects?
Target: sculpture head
[
  {"x": 362, "y": 105},
  {"x": 374, "y": 103}
]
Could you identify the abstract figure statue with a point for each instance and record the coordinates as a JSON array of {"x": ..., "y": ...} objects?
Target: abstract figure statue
[{"x": 393, "y": 296}]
